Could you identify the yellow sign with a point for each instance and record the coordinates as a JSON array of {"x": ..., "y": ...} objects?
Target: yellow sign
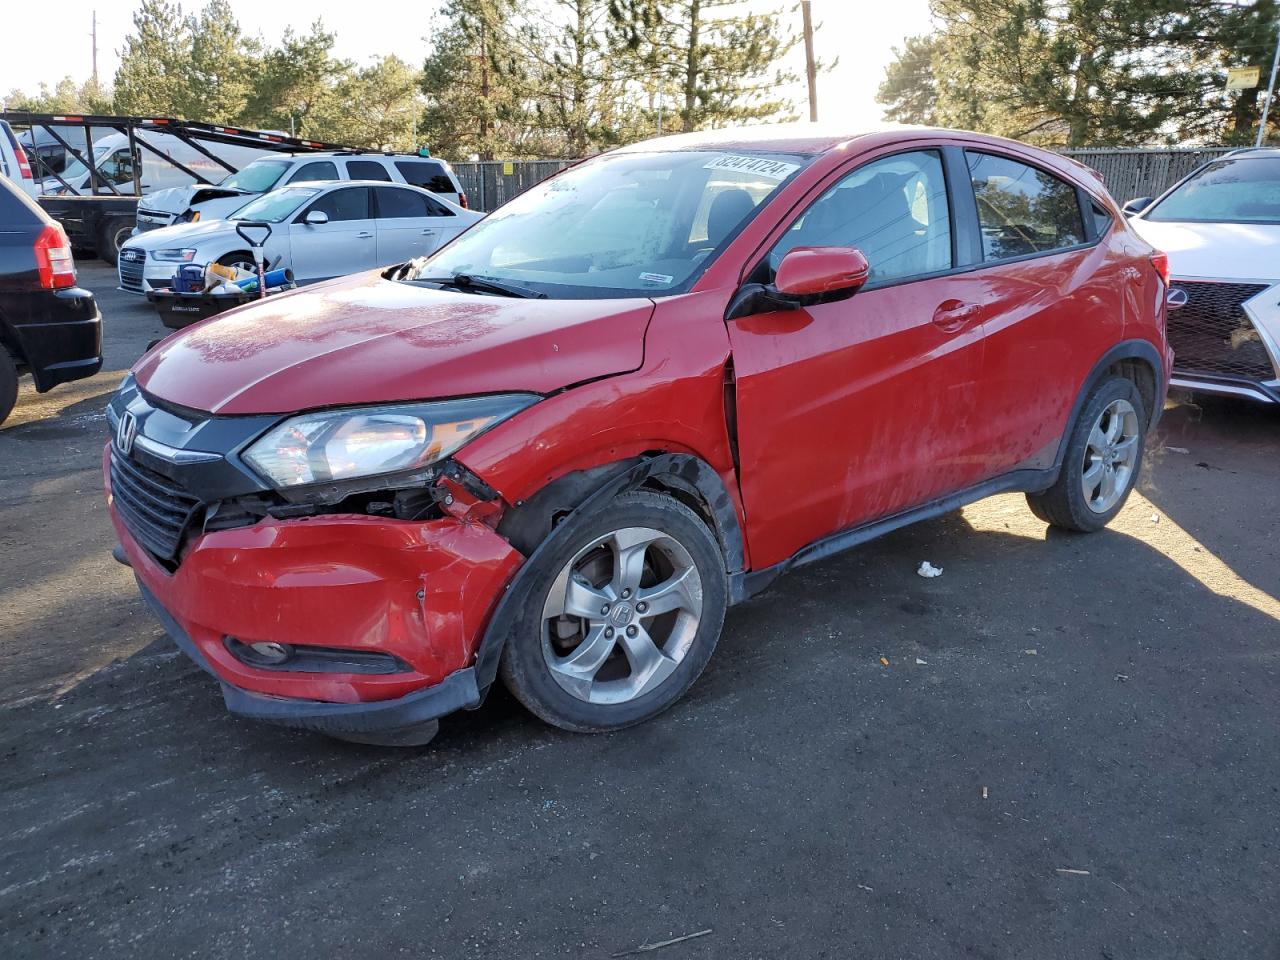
[
  {"x": 508, "y": 168},
  {"x": 1243, "y": 78}
]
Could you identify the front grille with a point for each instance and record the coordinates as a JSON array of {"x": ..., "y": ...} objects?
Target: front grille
[
  {"x": 154, "y": 508},
  {"x": 1213, "y": 334},
  {"x": 131, "y": 264},
  {"x": 151, "y": 220}
]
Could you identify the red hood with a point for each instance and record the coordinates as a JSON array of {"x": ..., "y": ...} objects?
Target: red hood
[{"x": 368, "y": 340}]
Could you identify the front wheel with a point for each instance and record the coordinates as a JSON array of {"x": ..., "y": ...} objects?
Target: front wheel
[
  {"x": 624, "y": 615},
  {"x": 1102, "y": 460}
]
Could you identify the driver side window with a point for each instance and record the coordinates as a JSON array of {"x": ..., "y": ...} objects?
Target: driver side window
[{"x": 894, "y": 210}]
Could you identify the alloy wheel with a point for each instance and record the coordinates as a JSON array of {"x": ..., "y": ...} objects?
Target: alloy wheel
[
  {"x": 1110, "y": 456},
  {"x": 621, "y": 615}
]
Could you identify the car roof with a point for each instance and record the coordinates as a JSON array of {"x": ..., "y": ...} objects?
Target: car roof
[
  {"x": 355, "y": 155},
  {"x": 1253, "y": 153},
  {"x": 807, "y": 138}
]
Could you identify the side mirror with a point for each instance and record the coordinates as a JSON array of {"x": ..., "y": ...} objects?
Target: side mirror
[
  {"x": 316, "y": 218},
  {"x": 1136, "y": 205},
  {"x": 814, "y": 271}
]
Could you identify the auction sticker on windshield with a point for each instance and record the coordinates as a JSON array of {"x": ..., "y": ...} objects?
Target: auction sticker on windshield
[{"x": 773, "y": 169}]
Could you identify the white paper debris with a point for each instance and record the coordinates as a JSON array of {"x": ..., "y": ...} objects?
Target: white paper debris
[{"x": 927, "y": 569}]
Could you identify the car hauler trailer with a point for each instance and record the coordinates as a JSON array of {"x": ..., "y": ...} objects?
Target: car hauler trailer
[{"x": 95, "y": 194}]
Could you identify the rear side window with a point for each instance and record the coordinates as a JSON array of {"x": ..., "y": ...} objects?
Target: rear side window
[
  {"x": 396, "y": 204},
  {"x": 424, "y": 173},
  {"x": 367, "y": 170},
  {"x": 349, "y": 204},
  {"x": 316, "y": 170},
  {"x": 1022, "y": 210}
]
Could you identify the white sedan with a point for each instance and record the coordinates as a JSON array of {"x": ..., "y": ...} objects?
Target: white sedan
[{"x": 318, "y": 230}]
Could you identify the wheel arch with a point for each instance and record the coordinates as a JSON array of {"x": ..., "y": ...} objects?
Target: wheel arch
[
  {"x": 531, "y": 527},
  {"x": 1136, "y": 360}
]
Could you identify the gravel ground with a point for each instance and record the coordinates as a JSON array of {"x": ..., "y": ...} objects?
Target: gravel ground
[{"x": 1071, "y": 751}]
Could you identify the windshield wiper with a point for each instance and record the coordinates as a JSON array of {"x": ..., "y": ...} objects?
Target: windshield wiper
[{"x": 465, "y": 281}]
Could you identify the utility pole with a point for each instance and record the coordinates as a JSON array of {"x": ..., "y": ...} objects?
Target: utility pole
[
  {"x": 94, "y": 34},
  {"x": 810, "y": 67},
  {"x": 1271, "y": 85}
]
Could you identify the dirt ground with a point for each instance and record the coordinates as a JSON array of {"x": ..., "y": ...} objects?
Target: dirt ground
[{"x": 1070, "y": 753}]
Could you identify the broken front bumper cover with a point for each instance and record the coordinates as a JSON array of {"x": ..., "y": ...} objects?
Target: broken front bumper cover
[{"x": 410, "y": 719}]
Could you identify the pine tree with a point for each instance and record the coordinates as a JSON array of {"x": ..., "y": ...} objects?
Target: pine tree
[
  {"x": 154, "y": 73},
  {"x": 725, "y": 64}
]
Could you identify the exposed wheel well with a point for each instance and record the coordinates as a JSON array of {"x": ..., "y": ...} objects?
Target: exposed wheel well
[{"x": 1144, "y": 377}]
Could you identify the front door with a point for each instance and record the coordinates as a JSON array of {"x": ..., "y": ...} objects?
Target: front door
[
  {"x": 855, "y": 410},
  {"x": 346, "y": 244}
]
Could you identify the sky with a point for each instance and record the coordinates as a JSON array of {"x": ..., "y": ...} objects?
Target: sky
[{"x": 846, "y": 94}]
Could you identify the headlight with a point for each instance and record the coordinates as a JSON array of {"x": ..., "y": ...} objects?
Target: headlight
[
  {"x": 369, "y": 441},
  {"x": 185, "y": 255}
]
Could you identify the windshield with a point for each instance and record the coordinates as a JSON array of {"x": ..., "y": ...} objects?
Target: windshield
[
  {"x": 275, "y": 206},
  {"x": 623, "y": 225},
  {"x": 75, "y": 170},
  {"x": 258, "y": 177},
  {"x": 1244, "y": 190}
]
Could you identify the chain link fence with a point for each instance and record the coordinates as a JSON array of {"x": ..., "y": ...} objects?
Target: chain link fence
[{"x": 1128, "y": 173}]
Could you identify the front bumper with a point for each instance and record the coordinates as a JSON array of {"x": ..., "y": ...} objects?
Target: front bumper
[
  {"x": 421, "y": 592},
  {"x": 147, "y": 276}
]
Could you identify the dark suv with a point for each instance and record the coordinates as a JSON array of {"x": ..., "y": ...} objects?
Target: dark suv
[{"x": 48, "y": 326}]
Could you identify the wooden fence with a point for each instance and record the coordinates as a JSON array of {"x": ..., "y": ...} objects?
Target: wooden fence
[
  {"x": 1143, "y": 173},
  {"x": 1128, "y": 173}
]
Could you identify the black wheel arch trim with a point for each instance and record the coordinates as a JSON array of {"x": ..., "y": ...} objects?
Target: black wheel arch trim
[{"x": 674, "y": 471}]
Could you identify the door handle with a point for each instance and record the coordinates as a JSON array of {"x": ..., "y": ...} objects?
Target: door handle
[
  {"x": 364, "y": 235},
  {"x": 954, "y": 315},
  {"x": 428, "y": 233}
]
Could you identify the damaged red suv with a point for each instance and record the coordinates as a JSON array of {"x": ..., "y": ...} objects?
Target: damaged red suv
[{"x": 556, "y": 450}]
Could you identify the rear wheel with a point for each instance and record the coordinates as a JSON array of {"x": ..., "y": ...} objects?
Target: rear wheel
[
  {"x": 625, "y": 614},
  {"x": 8, "y": 384},
  {"x": 1102, "y": 461},
  {"x": 112, "y": 235}
]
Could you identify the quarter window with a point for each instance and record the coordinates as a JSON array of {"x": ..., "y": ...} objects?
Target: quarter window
[
  {"x": 425, "y": 174},
  {"x": 316, "y": 170},
  {"x": 1022, "y": 210},
  {"x": 894, "y": 210}
]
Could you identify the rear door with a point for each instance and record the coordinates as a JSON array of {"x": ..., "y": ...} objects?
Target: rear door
[
  {"x": 854, "y": 410},
  {"x": 406, "y": 227},
  {"x": 1053, "y": 285},
  {"x": 346, "y": 244}
]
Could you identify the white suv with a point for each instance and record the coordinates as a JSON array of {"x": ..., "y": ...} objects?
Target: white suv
[{"x": 165, "y": 208}]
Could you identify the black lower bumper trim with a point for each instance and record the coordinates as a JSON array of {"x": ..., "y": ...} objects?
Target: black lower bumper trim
[{"x": 376, "y": 721}]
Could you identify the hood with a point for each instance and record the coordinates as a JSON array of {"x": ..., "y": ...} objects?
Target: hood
[
  {"x": 1222, "y": 251},
  {"x": 181, "y": 235},
  {"x": 364, "y": 339},
  {"x": 178, "y": 200}
]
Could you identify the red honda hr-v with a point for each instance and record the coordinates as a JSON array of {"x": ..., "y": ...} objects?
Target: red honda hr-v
[{"x": 557, "y": 449}]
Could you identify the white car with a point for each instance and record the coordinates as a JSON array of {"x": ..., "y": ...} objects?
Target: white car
[
  {"x": 1221, "y": 230},
  {"x": 193, "y": 202},
  {"x": 319, "y": 230}
]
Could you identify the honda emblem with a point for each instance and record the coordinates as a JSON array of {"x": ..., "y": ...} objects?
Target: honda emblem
[{"x": 126, "y": 431}]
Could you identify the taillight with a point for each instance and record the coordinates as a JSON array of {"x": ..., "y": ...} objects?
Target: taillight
[
  {"x": 462, "y": 200},
  {"x": 54, "y": 262},
  {"x": 24, "y": 166},
  {"x": 1160, "y": 260}
]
